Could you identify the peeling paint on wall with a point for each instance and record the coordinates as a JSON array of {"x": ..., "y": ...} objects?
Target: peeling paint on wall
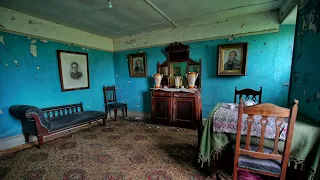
[
  {"x": 38, "y": 67},
  {"x": 16, "y": 62},
  {"x": 44, "y": 41},
  {"x": 33, "y": 50},
  {"x": 2, "y": 40},
  {"x": 1, "y": 112}
]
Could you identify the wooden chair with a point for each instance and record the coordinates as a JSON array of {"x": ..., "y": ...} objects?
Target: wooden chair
[
  {"x": 247, "y": 93},
  {"x": 256, "y": 159},
  {"x": 110, "y": 101}
]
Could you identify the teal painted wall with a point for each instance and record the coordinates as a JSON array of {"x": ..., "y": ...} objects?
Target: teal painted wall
[
  {"x": 305, "y": 83},
  {"x": 269, "y": 65},
  {"x": 24, "y": 84}
]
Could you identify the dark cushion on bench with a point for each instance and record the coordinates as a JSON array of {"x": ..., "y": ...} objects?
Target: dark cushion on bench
[{"x": 62, "y": 122}]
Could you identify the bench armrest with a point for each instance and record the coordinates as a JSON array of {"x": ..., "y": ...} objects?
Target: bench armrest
[{"x": 31, "y": 113}]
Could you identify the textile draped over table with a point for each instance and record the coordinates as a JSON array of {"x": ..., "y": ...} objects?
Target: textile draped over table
[
  {"x": 305, "y": 147},
  {"x": 226, "y": 119}
]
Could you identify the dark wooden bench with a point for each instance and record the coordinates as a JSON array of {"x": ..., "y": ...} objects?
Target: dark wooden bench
[{"x": 48, "y": 121}]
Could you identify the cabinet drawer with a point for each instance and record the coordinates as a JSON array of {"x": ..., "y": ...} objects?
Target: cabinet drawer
[
  {"x": 183, "y": 95},
  {"x": 161, "y": 93}
]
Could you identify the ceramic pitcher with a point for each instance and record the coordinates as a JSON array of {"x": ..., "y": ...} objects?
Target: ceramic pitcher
[
  {"x": 191, "y": 77},
  {"x": 157, "y": 79},
  {"x": 177, "y": 81}
]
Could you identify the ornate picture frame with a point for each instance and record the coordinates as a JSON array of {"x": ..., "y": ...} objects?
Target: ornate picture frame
[
  {"x": 232, "y": 60},
  {"x": 138, "y": 65},
  {"x": 73, "y": 70}
]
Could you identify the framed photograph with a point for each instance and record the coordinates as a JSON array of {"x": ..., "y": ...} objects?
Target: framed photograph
[
  {"x": 138, "y": 65},
  {"x": 232, "y": 59},
  {"x": 73, "y": 70}
]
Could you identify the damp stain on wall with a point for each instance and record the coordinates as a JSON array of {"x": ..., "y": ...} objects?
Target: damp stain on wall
[{"x": 305, "y": 84}]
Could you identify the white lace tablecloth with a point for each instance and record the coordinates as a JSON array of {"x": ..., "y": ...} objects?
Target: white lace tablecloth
[{"x": 225, "y": 121}]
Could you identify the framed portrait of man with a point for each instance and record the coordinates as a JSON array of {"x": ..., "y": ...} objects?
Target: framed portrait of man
[
  {"x": 232, "y": 59},
  {"x": 73, "y": 70},
  {"x": 137, "y": 65}
]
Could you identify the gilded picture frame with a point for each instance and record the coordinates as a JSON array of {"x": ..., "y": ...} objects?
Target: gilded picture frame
[
  {"x": 232, "y": 60},
  {"x": 138, "y": 65}
]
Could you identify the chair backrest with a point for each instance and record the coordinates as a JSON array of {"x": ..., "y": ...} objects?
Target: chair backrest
[
  {"x": 109, "y": 93},
  {"x": 247, "y": 92},
  {"x": 265, "y": 111}
]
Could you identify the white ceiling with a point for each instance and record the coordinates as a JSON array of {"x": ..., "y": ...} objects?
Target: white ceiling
[
  {"x": 130, "y": 17},
  {"x": 292, "y": 17}
]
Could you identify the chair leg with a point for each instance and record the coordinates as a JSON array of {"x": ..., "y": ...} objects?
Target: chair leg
[
  {"x": 235, "y": 173},
  {"x": 26, "y": 137},
  {"x": 126, "y": 109},
  {"x": 40, "y": 141},
  {"x": 115, "y": 113},
  {"x": 214, "y": 169},
  {"x": 107, "y": 112}
]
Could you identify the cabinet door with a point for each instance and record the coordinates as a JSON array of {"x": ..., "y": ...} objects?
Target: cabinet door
[
  {"x": 161, "y": 110},
  {"x": 184, "y": 112}
]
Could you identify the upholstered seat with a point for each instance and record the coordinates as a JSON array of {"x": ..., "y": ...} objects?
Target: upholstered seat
[
  {"x": 116, "y": 105},
  {"x": 62, "y": 122},
  {"x": 264, "y": 165}
]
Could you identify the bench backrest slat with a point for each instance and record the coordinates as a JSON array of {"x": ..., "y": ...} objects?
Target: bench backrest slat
[{"x": 55, "y": 111}]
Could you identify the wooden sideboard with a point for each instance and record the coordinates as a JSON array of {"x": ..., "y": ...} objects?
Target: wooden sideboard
[{"x": 176, "y": 108}]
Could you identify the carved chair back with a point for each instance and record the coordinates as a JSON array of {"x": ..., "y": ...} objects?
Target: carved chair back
[
  {"x": 247, "y": 92},
  {"x": 52, "y": 112},
  {"x": 265, "y": 111},
  {"x": 109, "y": 93}
]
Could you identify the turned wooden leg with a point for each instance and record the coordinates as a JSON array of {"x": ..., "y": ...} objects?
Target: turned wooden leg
[
  {"x": 115, "y": 113},
  {"x": 26, "y": 137},
  {"x": 107, "y": 112},
  {"x": 214, "y": 169},
  {"x": 40, "y": 141},
  {"x": 105, "y": 121}
]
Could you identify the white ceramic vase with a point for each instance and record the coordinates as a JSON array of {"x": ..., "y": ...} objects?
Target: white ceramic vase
[
  {"x": 177, "y": 81},
  {"x": 157, "y": 80},
  {"x": 191, "y": 77}
]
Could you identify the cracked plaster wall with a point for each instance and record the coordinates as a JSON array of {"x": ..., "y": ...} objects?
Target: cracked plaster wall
[
  {"x": 29, "y": 78},
  {"x": 269, "y": 65},
  {"x": 305, "y": 84},
  {"x": 250, "y": 24}
]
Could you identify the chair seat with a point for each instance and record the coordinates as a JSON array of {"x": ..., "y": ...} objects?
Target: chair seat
[
  {"x": 116, "y": 105},
  {"x": 264, "y": 165}
]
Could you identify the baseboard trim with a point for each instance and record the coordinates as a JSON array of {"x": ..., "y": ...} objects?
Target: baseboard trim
[{"x": 17, "y": 143}]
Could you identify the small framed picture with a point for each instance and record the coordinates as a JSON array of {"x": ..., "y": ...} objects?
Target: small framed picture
[
  {"x": 138, "y": 65},
  {"x": 73, "y": 70},
  {"x": 232, "y": 59}
]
